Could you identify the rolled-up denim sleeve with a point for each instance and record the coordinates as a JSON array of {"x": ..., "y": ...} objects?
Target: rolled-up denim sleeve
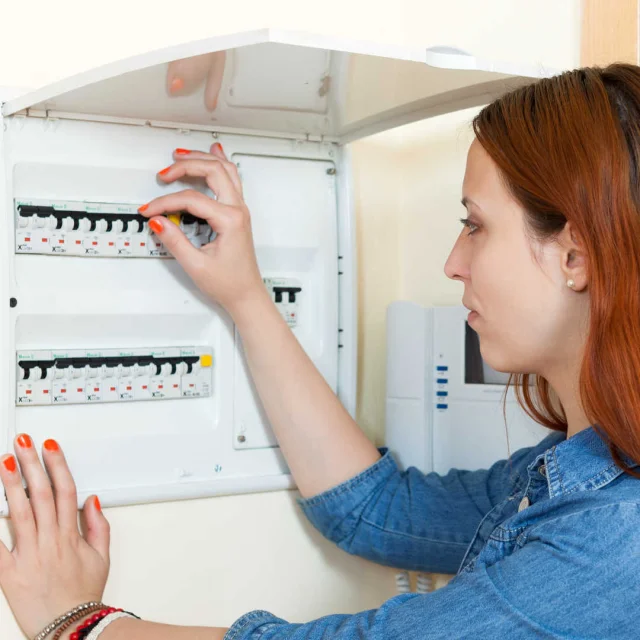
[
  {"x": 549, "y": 588},
  {"x": 408, "y": 519}
]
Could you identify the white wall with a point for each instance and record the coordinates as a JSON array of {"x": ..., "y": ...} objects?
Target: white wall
[{"x": 209, "y": 561}]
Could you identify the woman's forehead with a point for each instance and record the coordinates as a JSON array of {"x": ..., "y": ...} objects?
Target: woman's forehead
[{"x": 482, "y": 184}]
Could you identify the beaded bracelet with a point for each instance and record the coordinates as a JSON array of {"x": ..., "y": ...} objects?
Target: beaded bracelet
[
  {"x": 63, "y": 618},
  {"x": 75, "y": 618},
  {"x": 87, "y": 625},
  {"x": 83, "y": 630}
]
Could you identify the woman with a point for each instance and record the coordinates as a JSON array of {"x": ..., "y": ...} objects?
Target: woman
[{"x": 544, "y": 545}]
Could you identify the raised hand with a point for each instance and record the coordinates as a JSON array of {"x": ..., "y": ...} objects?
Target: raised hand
[{"x": 225, "y": 269}]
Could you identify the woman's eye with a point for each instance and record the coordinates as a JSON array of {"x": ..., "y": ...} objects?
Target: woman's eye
[{"x": 467, "y": 223}]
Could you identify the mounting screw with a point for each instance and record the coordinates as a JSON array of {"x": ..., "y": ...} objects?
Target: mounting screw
[
  {"x": 331, "y": 172},
  {"x": 241, "y": 439},
  {"x": 13, "y": 302}
]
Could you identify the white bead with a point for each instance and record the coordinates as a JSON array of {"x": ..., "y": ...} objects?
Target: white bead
[{"x": 571, "y": 283}]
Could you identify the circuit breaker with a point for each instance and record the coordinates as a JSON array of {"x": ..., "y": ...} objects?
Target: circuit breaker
[
  {"x": 88, "y": 229},
  {"x": 286, "y": 295},
  {"x": 112, "y": 375}
]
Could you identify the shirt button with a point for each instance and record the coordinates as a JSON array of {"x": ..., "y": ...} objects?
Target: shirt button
[
  {"x": 524, "y": 503},
  {"x": 543, "y": 470}
]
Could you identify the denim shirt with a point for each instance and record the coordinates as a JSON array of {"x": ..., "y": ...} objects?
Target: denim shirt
[{"x": 543, "y": 545}]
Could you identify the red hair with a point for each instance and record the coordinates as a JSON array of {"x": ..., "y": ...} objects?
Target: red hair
[{"x": 568, "y": 149}]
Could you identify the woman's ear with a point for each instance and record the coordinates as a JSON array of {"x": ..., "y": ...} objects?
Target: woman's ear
[{"x": 574, "y": 259}]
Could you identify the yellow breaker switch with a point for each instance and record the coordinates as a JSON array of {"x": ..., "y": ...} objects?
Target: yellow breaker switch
[
  {"x": 206, "y": 360},
  {"x": 175, "y": 218}
]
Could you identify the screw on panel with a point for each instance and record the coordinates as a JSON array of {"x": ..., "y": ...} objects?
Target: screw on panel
[
  {"x": 241, "y": 439},
  {"x": 13, "y": 302},
  {"x": 331, "y": 172}
]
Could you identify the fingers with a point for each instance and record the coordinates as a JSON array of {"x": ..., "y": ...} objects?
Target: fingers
[
  {"x": 216, "y": 152},
  {"x": 176, "y": 243},
  {"x": 38, "y": 484},
  {"x": 98, "y": 531},
  {"x": 66, "y": 496},
  {"x": 192, "y": 201},
  {"x": 20, "y": 511},
  {"x": 214, "y": 172},
  {"x": 31, "y": 516}
]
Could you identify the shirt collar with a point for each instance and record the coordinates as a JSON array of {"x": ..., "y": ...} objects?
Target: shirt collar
[{"x": 579, "y": 463}]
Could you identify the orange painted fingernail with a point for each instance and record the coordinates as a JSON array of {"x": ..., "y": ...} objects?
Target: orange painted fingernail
[
  {"x": 51, "y": 445},
  {"x": 183, "y": 152},
  {"x": 96, "y": 503},
  {"x": 164, "y": 171},
  {"x": 156, "y": 226},
  {"x": 24, "y": 441},
  {"x": 219, "y": 147},
  {"x": 144, "y": 207},
  {"x": 10, "y": 464},
  {"x": 177, "y": 84}
]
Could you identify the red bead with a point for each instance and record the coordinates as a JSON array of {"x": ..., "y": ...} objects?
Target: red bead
[
  {"x": 95, "y": 617},
  {"x": 74, "y": 636},
  {"x": 104, "y": 613}
]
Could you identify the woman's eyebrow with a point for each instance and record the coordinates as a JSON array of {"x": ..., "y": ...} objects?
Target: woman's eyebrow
[{"x": 465, "y": 201}]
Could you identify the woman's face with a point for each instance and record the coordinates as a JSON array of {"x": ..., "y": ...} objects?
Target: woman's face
[{"x": 526, "y": 313}]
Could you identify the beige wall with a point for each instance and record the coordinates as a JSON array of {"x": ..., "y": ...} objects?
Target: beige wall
[
  {"x": 408, "y": 184},
  {"x": 209, "y": 561}
]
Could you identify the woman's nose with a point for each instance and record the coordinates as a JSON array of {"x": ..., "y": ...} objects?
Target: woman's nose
[{"x": 456, "y": 267}]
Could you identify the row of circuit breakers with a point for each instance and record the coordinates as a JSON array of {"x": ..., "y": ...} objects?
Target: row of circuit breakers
[
  {"x": 61, "y": 227},
  {"x": 111, "y": 375},
  {"x": 88, "y": 229}
]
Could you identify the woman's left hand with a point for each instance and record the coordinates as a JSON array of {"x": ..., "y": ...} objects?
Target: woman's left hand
[{"x": 53, "y": 567}]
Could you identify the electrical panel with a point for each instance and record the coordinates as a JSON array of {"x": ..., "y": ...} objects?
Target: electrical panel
[
  {"x": 100, "y": 229},
  {"x": 112, "y": 375},
  {"x": 125, "y": 359}
]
